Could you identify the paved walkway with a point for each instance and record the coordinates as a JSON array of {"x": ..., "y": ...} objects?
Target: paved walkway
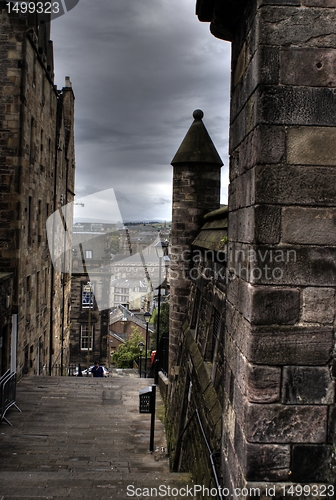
[{"x": 83, "y": 438}]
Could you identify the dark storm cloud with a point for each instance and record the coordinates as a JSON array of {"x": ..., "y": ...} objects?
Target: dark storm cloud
[{"x": 139, "y": 68}]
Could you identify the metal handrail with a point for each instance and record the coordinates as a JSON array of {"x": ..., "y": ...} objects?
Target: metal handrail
[
  {"x": 7, "y": 394},
  {"x": 211, "y": 453}
]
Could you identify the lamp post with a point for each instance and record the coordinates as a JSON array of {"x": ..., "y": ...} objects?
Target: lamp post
[
  {"x": 147, "y": 317},
  {"x": 141, "y": 346},
  {"x": 161, "y": 250}
]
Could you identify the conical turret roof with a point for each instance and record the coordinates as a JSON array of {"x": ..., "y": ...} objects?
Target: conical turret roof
[{"x": 197, "y": 146}]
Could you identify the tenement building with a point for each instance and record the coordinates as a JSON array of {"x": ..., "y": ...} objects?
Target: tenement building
[
  {"x": 252, "y": 369},
  {"x": 37, "y": 177}
]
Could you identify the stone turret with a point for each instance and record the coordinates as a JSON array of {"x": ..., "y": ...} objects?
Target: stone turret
[{"x": 196, "y": 191}]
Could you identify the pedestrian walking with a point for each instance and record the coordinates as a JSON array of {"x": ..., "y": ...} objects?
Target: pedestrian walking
[{"x": 96, "y": 370}]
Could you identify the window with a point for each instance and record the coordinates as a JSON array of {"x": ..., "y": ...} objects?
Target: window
[
  {"x": 84, "y": 338},
  {"x": 39, "y": 221},
  {"x": 215, "y": 333},
  {"x": 88, "y": 254},
  {"x": 29, "y": 219},
  {"x": 41, "y": 147},
  {"x": 120, "y": 290},
  {"x": 87, "y": 295},
  {"x": 37, "y": 291},
  {"x": 121, "y": 298},
  {"x": 196, "y": 309},
  {"x": 32, "y": 151},
  {"x": 28, "y": 290}
]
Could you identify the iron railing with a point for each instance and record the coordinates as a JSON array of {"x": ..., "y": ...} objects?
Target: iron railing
[{"x": 7, "y": 394}]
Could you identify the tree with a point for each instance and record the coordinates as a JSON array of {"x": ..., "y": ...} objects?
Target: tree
[
  {"x": 164, "y": 322},
  {"x": 129, "y": 351}
]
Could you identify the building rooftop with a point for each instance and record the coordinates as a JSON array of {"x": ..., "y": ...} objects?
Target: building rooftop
[{"x": 213, "y": 234}]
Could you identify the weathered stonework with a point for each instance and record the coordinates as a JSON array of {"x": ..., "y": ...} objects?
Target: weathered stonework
[
  {"x": 196, "y": 190},
  {"x": 37, "y": 178},
  {"x": 281, "y": 250},
  {"x": 276, "y": 352},
  {"x": 6, "y": 299}
]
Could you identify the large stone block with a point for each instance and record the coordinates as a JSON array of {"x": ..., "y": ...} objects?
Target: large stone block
[
  {"x": 332, "y": 425},
  {"x": 267, "y": 224},
  {"x": 245, "y": 225},
  {"x": 241, "y": 125},
  {"x": 286, "y": 26},
  {"x": 295, "y": 185},
  {"x": 279, "y": 346},
  {"x": 319, "y": 3},
  {"x": 278, "y": 2},
  {"x": 270, "y": 306},
  {"x": 311, "y": 145},
  {"x": 307, "y": 385},
  {"x": 309, "y": 226},
  {"x": 291, "y": 345},
  {"x": 312, "y": 463},
  {"x": 262, "y": 462},
  {"x": 240, "y": 66},
  {"x": 284, "y": 265},
  {"x": 241, "y": 191},
  {"x": 318, "y": 305},
  {"x": 262, "y": 383},
  {"x": 259, "y": 224},
  {"x": 312, "y": 67},
  {"x": 262, "y": 68},
  {"x": 290, "y": 105},
  {"x": 265, "y": 305},
  {"x": 285, "y": 424},
  {"x": 264, "y": 145}
]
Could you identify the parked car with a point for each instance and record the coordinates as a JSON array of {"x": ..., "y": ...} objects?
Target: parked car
[
  {"x": 74, "y": 372},
  {"x": 106, "y": 372}
]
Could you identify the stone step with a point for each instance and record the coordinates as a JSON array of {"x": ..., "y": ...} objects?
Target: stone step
[{"x": 84, "y": 438}]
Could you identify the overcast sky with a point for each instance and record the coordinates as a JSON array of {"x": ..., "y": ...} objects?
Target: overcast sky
[{"x": 139, "y": 69}]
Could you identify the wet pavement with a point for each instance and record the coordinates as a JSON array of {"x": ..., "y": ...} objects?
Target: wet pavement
[{"x": 84, "y": 438}]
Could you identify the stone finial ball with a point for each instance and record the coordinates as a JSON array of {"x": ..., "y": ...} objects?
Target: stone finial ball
[{"x": 198, "y": 114}]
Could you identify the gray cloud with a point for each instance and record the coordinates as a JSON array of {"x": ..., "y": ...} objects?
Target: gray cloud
[{"x": 139, "y": 69}]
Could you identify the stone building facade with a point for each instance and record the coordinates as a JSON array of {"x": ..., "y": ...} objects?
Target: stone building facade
[
  {"x": 6, "y": 297},
  {"x": 90, "y": 294},
  {"x": 278, "y": 405},
  {"x": 37, "y": 178}
]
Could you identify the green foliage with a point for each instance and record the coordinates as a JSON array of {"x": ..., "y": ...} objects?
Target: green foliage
[
  {"x": 129, "y": 351},
  {"x": 114, "y": 243},
  {"x": 164, "y": 321}
]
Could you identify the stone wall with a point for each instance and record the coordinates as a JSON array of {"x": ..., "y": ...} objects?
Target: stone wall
[
  {"x": 195, "y": 412},
  {"x": 6, "y": 298},
  {"x": 279, "y": 421},
  {"x": 37, "y": 177},
  {"x": 277, "y": 394}
]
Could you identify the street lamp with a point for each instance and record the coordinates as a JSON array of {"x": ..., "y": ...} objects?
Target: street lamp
[
  {"x": 161, "y": 249},
  {"x": 141, "y": 346},
  {"x": 147, "y": 317}
]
